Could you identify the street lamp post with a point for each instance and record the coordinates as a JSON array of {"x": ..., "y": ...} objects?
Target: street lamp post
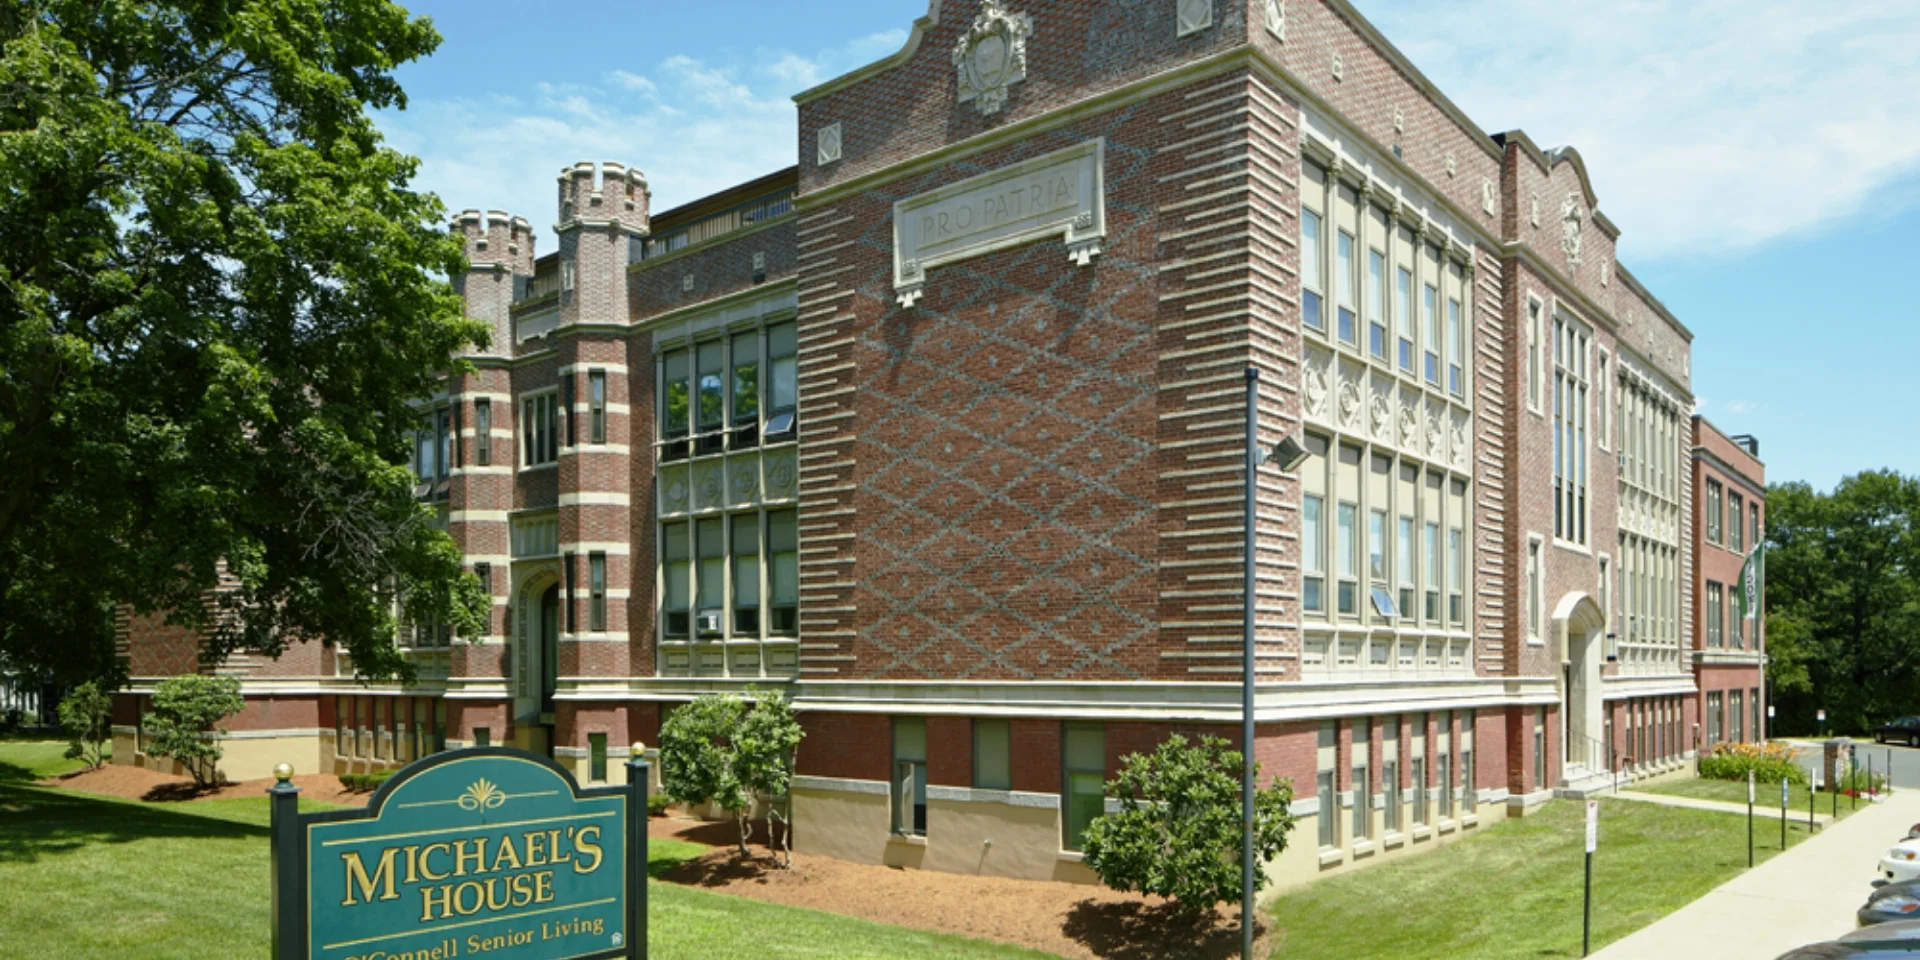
[{"x": 1287, "y": 454}]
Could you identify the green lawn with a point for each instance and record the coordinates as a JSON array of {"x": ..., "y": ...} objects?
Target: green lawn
[
  {"x": 112, "y": 879},
  {"x": 34, "y": 759},
  {"x": 1514, "y": 891},
  {"x": 1735, "y": 792}
]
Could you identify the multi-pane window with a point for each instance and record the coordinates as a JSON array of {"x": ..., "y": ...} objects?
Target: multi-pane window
[
  {"x": 1407, "y": 546},
  {"x": 539, "y": 429},
  {"x": 1715, "y": 511},
  {"x": 1456, "y": 347},
  {"x": 1403, "y": 316},
  {"x": 1569, "y": 431},
  {"x": 1390, "y": 771},
  {"x": 992, "y": 755},
  {"x": 1433, "y": 572},
  {"x": 1443, "y": 765},
  {"x": 1347, "y": 551},
  {"x": 1716, "y": 616},
  {"x": 1417, "y": 769},
  {"x": 1085, "y": 763},
  {"x": 1430, "y": 325},
  {"x": 1377, "y": 547},
  {"x": 716, "y": 564},
  {"x": 1312, "y": 278},
  {"x": 433, "y": 446},
  {"x": 1313, "y": 527},
  {"x": 1344, "y": 266},
  {"x": 909, "y": 785},
  {"x": 1736, "y": 531},
  {"x": 1535, "y": 586},
  {"x": 1540, "y": 749},
  {"x": 597, "y": 757},
  {"x": 1324, "y": 787},
  {"x": 597, "y": 406},
  {"x": 1466, "y": 762},
  {"x": 596, "y": 591},
  {"x": 1601, "y": 410},
  {"x": 1362, "y": 789},
  {"x": 1533, "y": 354},
  {"x": 1713, "y": 718},
  {"x": 1456, "y": 578},
  {"x": 1376, "y": 302},
  {"x": 1736, "y": 716},
  {"x": 714, "y": 393},
  {"x": 483, "y": 432}
]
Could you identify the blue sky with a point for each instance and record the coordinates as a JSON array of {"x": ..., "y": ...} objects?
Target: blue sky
[{"x": 1761, "y": 157}]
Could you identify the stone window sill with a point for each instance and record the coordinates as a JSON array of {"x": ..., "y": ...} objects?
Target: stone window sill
[
  {"x": 1332, "y": 857},
  {"x": 908, "y": 839}
]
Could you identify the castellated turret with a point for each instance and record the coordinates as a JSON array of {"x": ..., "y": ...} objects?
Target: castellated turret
[
  {"x": 603, "y": 215},
  {"x": 499, "y": 250}
]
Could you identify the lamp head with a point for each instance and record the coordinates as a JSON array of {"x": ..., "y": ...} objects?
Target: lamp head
[{"x": 1288, "y": 454}]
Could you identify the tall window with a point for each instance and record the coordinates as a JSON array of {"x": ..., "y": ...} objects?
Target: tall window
[
  {"x": 1535, "y": 586},
  {"x": 1736, "y": 716},
  {"x": 1456, "y": 579},
  {"x": 992, "y": 755},
  {"x": 1713, "y": 718},
  {"x": 1715, "y": 511},
  {"x": 1408, "y": 545},
  {"x": 1085, "y": 757},
  {"x": 1313, "y": 562},
  {"x": 712, "y": 559},
  {"x": 1715, "y": 616},
  {"x": 1443, "y": 765},
  {"x": 1377, "y": 547},
  {"x": 597, "y": 406},
  {"x": 909, "y": 786},
  {"x": 596, "y": 591},
  {"x": 1601, "y": 410},
  {"x": 1362, "y": 789},
  {"x": 1324, "y": 787},
  {"x": 1456, "y": 348},
  {"x": 714, "y": 392},
  {"x": 1403, "y": 316},
  {"x": 1347, "y": 548},
  {"x": 1312, "y": 279},
  {"x": 1466, "y": 762},
  {"x": 1376, "y": 302},
  {"x": 597, "y": 757},
  {"x": 1417, "y": 769},
  {"x": 1533, "y": 355},
  {"x": 1343, "y": 263},
  {"x": 1432, "y": 612},
  {"x": 1569, "y": 432},
  {"x": 539, "y": 429},
  {"x": 483, "y": 432},
  {"x": 1390, "y": 771},
  {"x": 1540, "y": 749},
  {"x": 1736, "y": 534},
  {"x": 1430, "y": 325}
]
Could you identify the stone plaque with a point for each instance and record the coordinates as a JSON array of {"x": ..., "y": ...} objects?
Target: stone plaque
[{"x": 1059, "y": 194}]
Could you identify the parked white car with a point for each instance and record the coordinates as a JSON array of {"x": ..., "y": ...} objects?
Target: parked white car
[{"x": 1902, "y": 862}]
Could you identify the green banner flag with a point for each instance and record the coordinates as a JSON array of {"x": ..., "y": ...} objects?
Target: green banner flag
[{"x": 1751, "y": 573}]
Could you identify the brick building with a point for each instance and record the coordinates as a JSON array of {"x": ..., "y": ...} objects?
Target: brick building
[
  {"x": 1729, "y": 651},
  {"x": 940, "y": 433}
]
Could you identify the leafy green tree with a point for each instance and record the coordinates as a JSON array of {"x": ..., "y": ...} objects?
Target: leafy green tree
[
  {"x": 185, "y": 710},
  {"x": 1177, "y": 833},
  {"x": 86, "y": 715},
  {"x": 218, "y": 299},
  {"x": 1843, "y": 602},
  {"x": 730, "y": 751}
]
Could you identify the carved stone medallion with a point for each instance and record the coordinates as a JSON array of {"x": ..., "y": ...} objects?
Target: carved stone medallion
[
  {"x": 1349, "y": 403},
  {"x": 1459, "y": 440},
  {"x": 1409, "y": 427},
  {"x": 1313, "y": 383},
  {"x": 1435, "y": 436},
  {"x": 1382, "y": 416},
  {"x": 992, "y": 56}
]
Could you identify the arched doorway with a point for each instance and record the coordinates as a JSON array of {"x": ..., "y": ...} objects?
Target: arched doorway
[{"x": 1579, "y": 628}]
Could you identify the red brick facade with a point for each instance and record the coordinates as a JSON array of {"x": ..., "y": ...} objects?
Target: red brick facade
[{"x": 1020, "y": 496}]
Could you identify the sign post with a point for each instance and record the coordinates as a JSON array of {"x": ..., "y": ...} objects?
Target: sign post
[
  {"x": 1749, "y": 819},
  {"x": 1813, "y": 793},
  {"x": 488, "y": 850},
  {"x": 1822, "y": 714},
  {"x": 1783, "y": 814},
  {"x": 1593, "y": 841}
]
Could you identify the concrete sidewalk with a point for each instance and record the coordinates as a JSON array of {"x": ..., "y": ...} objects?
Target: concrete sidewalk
[
  {"x": 1805, "y": 895},
  {"x": 1719, "y": 806}
]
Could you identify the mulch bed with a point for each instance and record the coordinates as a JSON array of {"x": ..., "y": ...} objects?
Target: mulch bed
[
  {"x": 1072, "y": 920},
  {"x": 139, "y": 783},
  {"x": 1068, "y": 919}
]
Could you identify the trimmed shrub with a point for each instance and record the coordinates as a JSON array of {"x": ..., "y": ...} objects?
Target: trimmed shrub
[
  {"x": 657, "y": 804},
  {"x": 364, "y": 782},
  {"x": 185, "y": 710},
  {"x": 84, "y": 715},
  {"x": 1770, "y": 762}
]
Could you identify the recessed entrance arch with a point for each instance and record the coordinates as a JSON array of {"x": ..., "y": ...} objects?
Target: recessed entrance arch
[
  {"x": 1579, "y": 629},
  {"x": 536, "y": 657}
]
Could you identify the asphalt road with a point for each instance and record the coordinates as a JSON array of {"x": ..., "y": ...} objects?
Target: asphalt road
[{"x": 1904, "y": 760}]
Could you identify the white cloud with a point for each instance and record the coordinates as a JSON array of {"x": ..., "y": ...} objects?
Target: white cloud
[
  {"x": 693, "y": 127},
  {"x": 1710, "y": 127},
  {"x": 1739, "y": 407}
]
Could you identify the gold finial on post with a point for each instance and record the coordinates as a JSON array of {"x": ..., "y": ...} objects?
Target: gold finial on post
[
  {"x": 639, "y": 749},
  {"x": 283, "y": 772}
]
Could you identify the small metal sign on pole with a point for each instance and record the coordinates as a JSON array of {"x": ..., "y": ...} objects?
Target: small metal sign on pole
[
  {"x": 484, "y": 850},
  {"x": 1593, "y": 842},
  {"x": 1813, "y": 791}
]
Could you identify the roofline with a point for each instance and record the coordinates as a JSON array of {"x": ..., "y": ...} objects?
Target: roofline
[
  {"x": 1621, "y": 273},
  {"x": 722, "y": 199},
  {"x": 1700, "y": 420},
  {"x": 921, "y": 26}
]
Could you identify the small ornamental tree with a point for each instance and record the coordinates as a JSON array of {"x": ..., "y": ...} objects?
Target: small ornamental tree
[
  {"x": 185, "y": 708},
  {"x": 729, "y": 751},
  {"x": 1177, "y": 833},
  {"x": 84, "y": 715}
]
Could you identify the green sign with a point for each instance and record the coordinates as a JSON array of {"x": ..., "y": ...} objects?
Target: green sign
[{"x": 487, "y": 853}]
